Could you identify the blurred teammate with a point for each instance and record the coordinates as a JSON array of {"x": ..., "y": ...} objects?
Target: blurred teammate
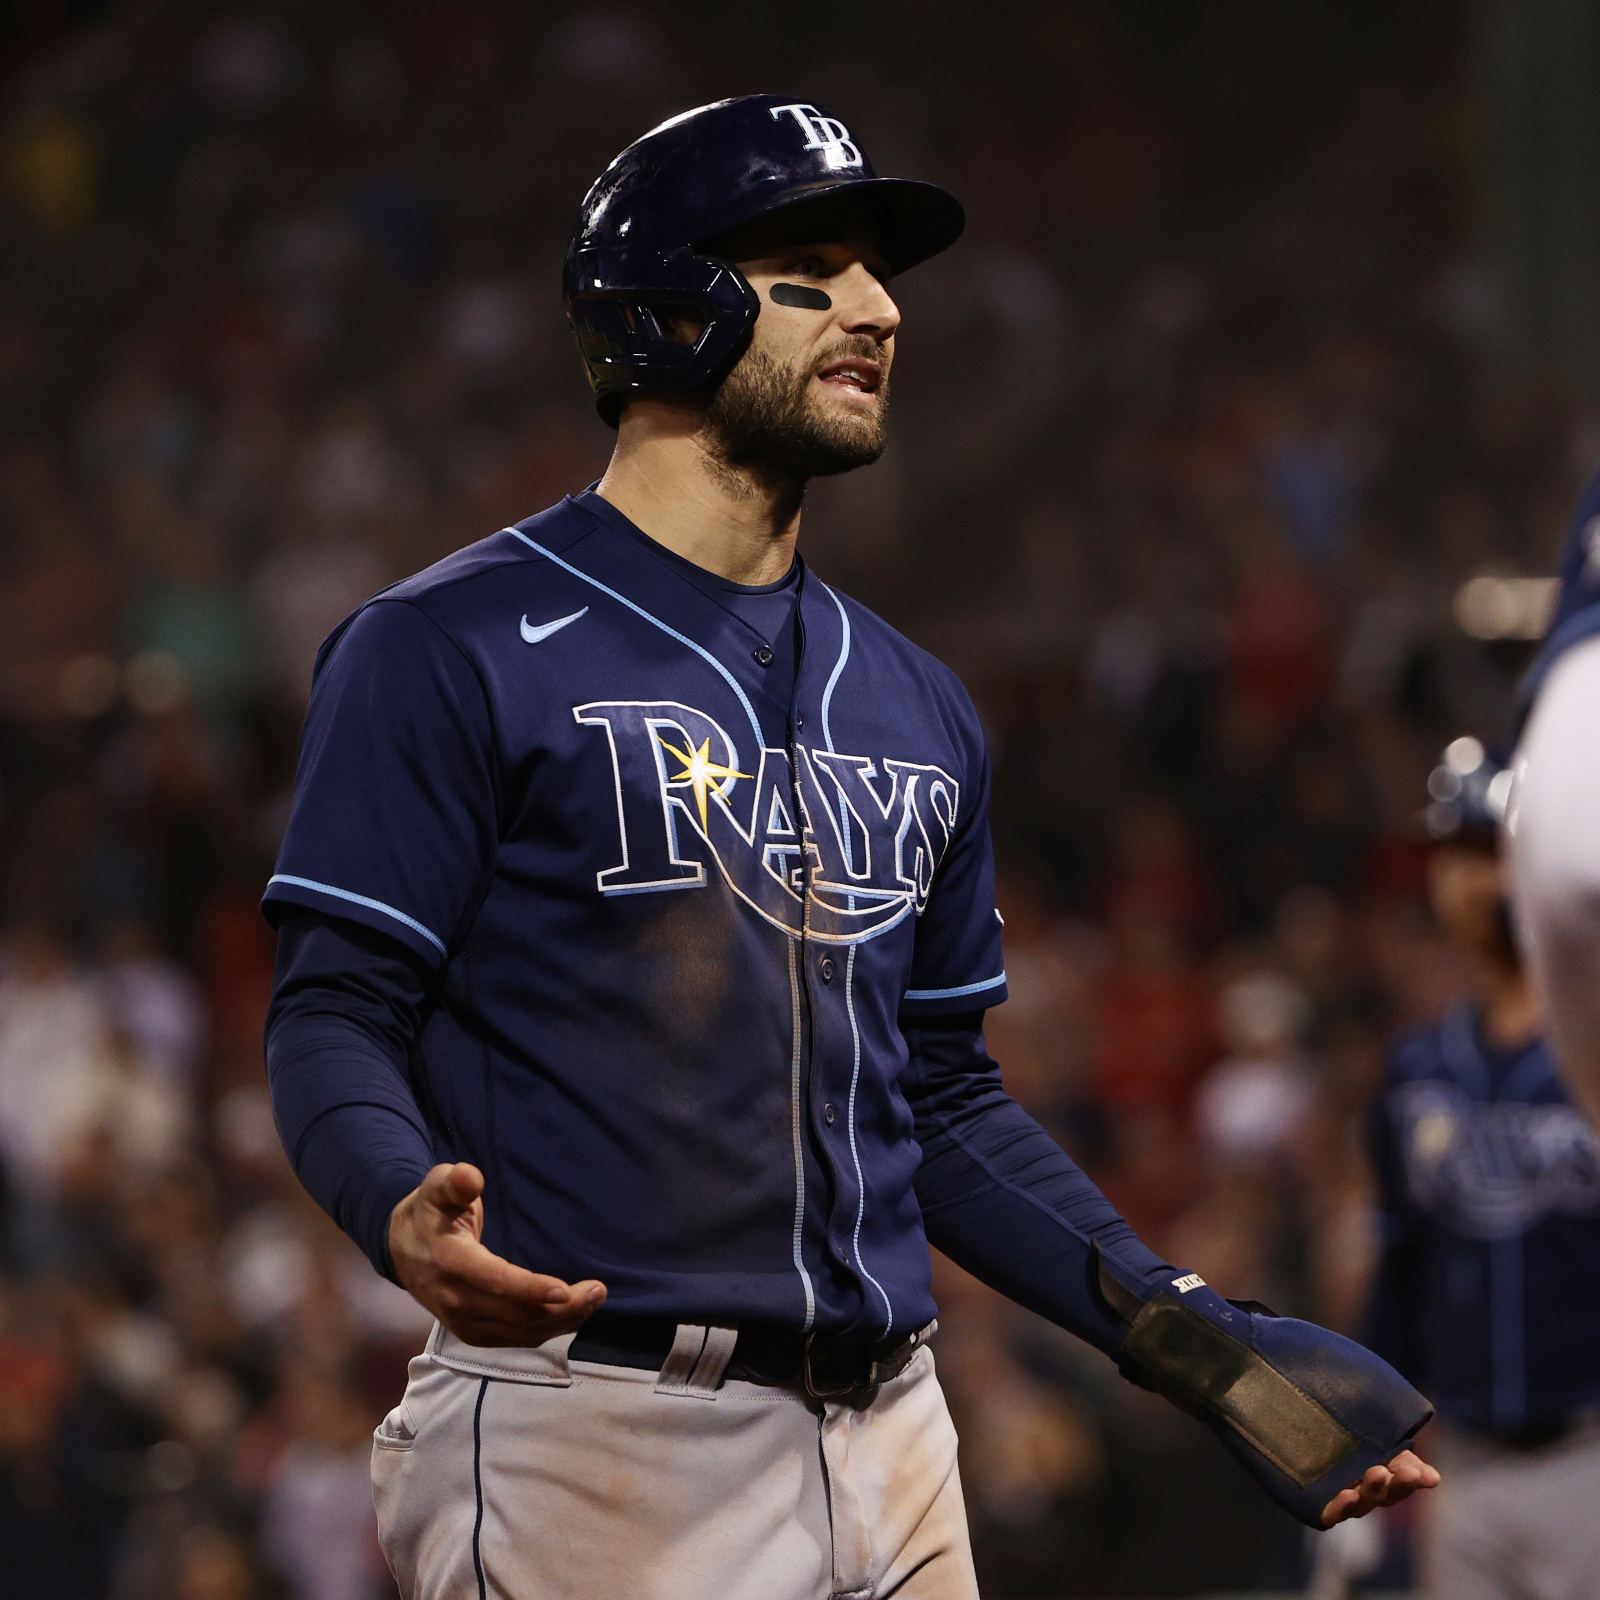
[
  {"x": 1551, "y": 824},
  {"x": 636, "y": 917},
  {"x": 1488, "y": 1290}
]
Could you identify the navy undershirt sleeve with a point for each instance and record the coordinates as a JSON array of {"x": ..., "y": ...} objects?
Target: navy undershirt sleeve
[
  {"x": 999, "y": 1196},
  {"x": 348, "y": 1003}
]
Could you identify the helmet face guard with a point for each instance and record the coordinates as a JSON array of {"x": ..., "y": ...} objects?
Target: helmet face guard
[{"x": 635, "y": 253}]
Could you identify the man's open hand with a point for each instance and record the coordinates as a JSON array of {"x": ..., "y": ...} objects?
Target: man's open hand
[
  {"x": 435, "y": 1241},
  {"x": 1381, "y": 1486}
]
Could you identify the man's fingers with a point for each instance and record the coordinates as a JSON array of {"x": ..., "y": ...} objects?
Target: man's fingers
[
  {"x": 480, "y": 1296},
  {"x": 496, "y": 1332},
  {"x": 1381, "y": 1486},
  {"x": 1406, "y": 1474},
  {"x": 464, "y": 1183},
  {"x": 1342, "y": 1506},
  {"x": 466, "y": 1265},
  {"x": 1357, "y": 1500},
  {"x": 585, "y": 1297},
  {"x": 1413, "y": 1470},
  {"x": 452, "y": 1187},
  {"x": 482, "y": 1317}
]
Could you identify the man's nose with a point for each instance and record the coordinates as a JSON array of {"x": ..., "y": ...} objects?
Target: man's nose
[{"x": 865, "y": 306}]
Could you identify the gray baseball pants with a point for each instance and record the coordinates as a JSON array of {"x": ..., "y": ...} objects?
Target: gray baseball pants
[
  {"x": 1514, "y": 1524},
  {"x": 522, "y": 1475}
]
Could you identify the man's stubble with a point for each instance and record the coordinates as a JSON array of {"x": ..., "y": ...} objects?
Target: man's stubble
[{"x": 762, "y": 418}]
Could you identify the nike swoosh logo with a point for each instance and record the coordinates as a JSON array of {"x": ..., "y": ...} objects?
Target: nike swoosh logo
[{"x": 537, "y": 635}]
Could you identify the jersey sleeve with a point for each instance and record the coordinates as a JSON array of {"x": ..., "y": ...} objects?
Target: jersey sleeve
[
  {"x": 957, "y": 963},
  {"x": 395, "y": 816}
]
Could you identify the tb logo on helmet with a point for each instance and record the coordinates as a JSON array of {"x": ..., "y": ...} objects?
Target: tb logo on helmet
[{"x": 827, "y": 134}]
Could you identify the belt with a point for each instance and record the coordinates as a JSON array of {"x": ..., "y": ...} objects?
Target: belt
[{"x": 828, "y": 1368}]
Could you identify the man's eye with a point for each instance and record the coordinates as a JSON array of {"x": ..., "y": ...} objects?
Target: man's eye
[{"x": 807, "y": 267}]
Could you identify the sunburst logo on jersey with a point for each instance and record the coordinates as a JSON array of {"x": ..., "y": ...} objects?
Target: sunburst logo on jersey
[{"x": 703, "y": 773}]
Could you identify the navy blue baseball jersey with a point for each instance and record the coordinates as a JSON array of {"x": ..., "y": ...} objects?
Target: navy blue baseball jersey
[
  {"x": 1488, "y": 1293},
  {"x": 681, "y": 878},
  {"x": 1577, "y": 612}
]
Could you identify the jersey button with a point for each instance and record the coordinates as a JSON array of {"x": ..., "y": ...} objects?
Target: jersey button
[
  {"x": 827, "y": 969},
  {"x": 828, "y": 1113},
  {"x": 763, "y": 655}
]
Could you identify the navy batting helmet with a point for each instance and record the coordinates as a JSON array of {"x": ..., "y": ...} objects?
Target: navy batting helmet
[{"x": 635, "y": 254}]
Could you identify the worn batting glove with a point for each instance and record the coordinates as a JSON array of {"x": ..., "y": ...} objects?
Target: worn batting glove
[{"x": 1305, "y": 1411}]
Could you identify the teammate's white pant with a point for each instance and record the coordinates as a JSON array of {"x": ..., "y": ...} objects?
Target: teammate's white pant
[
  {"x": 1514, "y": 1524},
  {"x": 517, "y": 1475}
]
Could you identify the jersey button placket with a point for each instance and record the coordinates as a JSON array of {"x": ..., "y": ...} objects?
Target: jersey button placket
[
  {"x": 825, "y": 969},
  {"x": 764, "y": 657}
]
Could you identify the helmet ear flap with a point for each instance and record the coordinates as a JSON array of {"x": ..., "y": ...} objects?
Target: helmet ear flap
[{"x": 620, "y": 304}]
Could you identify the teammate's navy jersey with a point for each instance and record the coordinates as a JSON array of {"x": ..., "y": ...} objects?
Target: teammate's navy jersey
[
  {"x": 1577, "y": 612},
  {"x": 1488, "y": 1294},
  {"x": 676, "y": 910}
]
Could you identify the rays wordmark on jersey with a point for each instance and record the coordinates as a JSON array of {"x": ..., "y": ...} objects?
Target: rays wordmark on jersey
[
  {"x": 840, "y": 847},
  {"x": 1493, "y": 1171}
]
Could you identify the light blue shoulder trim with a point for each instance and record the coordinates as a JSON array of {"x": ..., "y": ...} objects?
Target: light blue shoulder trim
[
  {"x": 361, "y": 900},
  {"x": 622, "y": 599},
  {"x": 955, "y": 994}
]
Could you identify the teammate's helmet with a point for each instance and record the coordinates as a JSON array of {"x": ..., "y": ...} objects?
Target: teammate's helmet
[
  {"x": 635, "y": 254},
  {"x": 1467, "y": 794}
]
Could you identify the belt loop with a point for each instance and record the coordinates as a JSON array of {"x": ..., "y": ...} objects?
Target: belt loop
[
  {"x": 678, "y": 1368},
  {"x": 697, "y": 1360},
  {"x": 714, "y": 1359}
]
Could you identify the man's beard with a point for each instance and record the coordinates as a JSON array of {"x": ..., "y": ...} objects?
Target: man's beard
[{"x": 762, "y": 416}]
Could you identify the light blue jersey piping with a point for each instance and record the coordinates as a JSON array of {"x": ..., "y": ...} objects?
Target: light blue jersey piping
[
  {"x": 850, "y": 1124},
  {"x": 850, "y": 972},
  {"x": 683, "y": 639},
  {"x": 953, "y": 994},
  {"x": 361, "y": 900}
]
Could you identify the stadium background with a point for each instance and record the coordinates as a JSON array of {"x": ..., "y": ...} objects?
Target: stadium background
[{"x": 1270, "y": 331}]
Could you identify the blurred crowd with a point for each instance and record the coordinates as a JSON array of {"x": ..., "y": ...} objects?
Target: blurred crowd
[{"x": 1196, "y": 436}]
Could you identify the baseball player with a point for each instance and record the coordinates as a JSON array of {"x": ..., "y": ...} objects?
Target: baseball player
[
  {"x": 636, "y": 924},
  {"x": 1554, "y": 847},
  {"x": 1488, "y": 1291}
]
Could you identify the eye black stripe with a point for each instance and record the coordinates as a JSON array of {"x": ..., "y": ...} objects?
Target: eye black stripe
[{"x": 797, "y": 294}]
